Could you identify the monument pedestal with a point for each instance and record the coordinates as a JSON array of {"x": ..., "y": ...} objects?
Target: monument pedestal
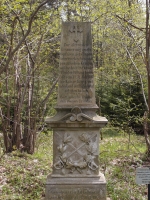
[
  {"x": 76, "y": 126},
  {"x": 68, "y": 188},
  {"x": 76, "y": 140}
]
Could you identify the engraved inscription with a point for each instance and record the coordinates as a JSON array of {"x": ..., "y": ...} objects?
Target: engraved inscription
[
  {"x": 76, "y": 76},
  {"x": 77, "y": 193},
  {"x": 76, "y": 82}
]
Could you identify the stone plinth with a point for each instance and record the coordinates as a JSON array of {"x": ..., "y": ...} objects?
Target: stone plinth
[
  {"x": 76, "y": 189},
  {"x": 76, "y": 126}
]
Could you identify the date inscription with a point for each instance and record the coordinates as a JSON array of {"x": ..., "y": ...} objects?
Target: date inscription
[{"x": 82, "y": 193}]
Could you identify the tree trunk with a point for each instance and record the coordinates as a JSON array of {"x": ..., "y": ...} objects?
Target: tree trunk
[
  {"x": 6, "y": 120},
  {"x": 29, "y": 130},
  {"x": 146, "y": 126},
  {"x": 147, "y": 114}
]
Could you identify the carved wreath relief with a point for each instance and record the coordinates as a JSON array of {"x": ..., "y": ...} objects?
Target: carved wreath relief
[{"x": 77, "y": 153}]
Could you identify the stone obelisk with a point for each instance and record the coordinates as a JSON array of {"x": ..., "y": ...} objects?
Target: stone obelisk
[{"x": 76, "y": 126}]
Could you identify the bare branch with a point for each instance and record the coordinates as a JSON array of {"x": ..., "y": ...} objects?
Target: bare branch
[
  {"x": 139, "y": 77},
  {"x": 24, "y": 37},
  {"x": 139, "y": 46},
  {"x": 129, "y": 23},
  {"x": 26, "y": 41},
  {"x": 50, "y": 92}
]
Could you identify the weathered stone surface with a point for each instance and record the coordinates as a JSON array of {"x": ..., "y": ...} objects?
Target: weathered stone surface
[
  {"x": 76, "y": 82},
  {"x": 76, "y": 126},
  {"x": 76, "y": 152},
  {"x": 76, "y": 189},
  {"x": 77, "y": 115}
]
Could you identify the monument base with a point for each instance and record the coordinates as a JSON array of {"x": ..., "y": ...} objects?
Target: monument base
[{"x": 92, "y": 188}]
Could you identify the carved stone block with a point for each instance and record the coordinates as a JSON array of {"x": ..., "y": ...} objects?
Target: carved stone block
[
  {"x": 76, "y": 82},
  {"x": 73, "y": 189},
  {"x": 76, "y": 152}
]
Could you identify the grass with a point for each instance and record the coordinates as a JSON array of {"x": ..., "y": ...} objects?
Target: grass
[
  {"x": 23, "y": 176},
  {"x": 120, "y": 155}
]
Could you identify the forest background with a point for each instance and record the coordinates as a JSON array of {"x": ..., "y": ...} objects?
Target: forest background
[
  {"x": 29, "y": 61},
  {"x": 29, "y": 70}
]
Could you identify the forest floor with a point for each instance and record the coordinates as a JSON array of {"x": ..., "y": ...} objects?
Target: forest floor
[{"x": 23, "y": 176}]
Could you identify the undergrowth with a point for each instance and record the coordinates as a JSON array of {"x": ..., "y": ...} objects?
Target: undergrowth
[
  {"x": 120, "y": 154},
  {"x": 23, "y": 176}
]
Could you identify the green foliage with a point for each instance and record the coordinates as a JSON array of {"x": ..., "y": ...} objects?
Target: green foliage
[
  {"x": 123, "y": 104},
  {"x": 30, "y": 69},
  {"x": 119, "y": 159},
  {"x": 31, "y": 64},
  {"x": 118, "y": 83}
]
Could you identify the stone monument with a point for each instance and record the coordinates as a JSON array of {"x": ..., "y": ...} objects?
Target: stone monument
[{"x": 76, "y": 126}]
